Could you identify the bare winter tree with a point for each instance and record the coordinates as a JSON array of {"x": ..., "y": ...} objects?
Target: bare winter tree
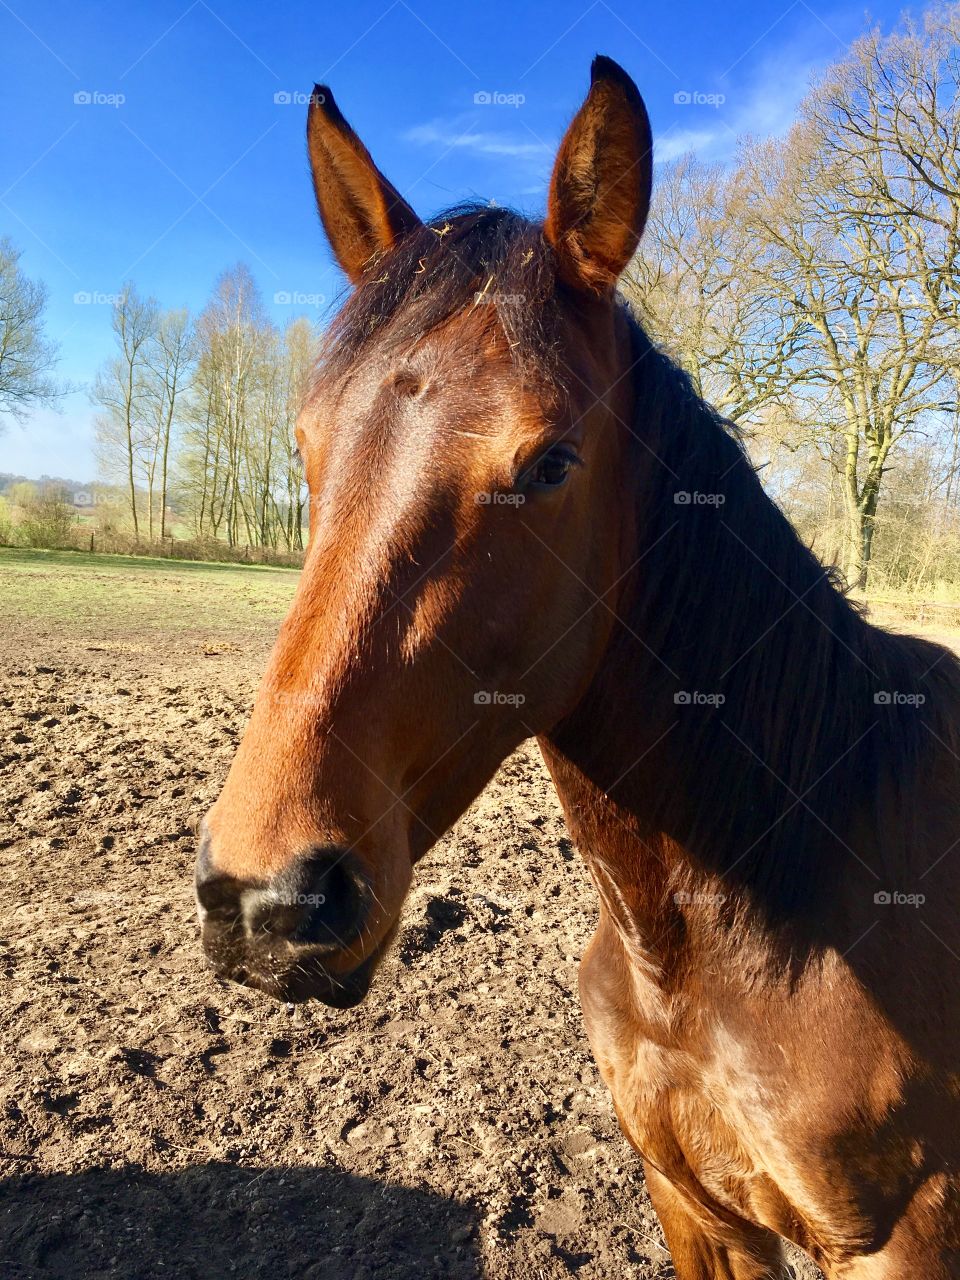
[
  {"x": 27, "y": 356},
  {"x": 124, "y": 428},
  {"x": 867, "y": 281},
  {"x": 891, "y": 109},
  {"x": 696, "y": 284},
  {"x": 238, "y": 470},
  {"x": 168, "y": 361}
]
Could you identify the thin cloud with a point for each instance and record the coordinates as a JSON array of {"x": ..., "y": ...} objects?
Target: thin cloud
[
  {"x": 679, "y": 142},
  {"x": 485, "y": 144},
  {"x": 762, "y": 107}
]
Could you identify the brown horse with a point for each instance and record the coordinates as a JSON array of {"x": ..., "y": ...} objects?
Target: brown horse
[{"x": 523, "y": 521}]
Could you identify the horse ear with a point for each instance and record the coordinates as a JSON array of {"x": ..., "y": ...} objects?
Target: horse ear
[
  {"x": 601, "y": 184},
  {"x": 362, "y": 213}
]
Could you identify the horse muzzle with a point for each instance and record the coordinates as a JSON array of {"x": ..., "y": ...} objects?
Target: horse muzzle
[{"x": 290, "y": 936}]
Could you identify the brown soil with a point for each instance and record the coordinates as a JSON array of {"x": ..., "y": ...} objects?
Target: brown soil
[{"x": 157, "y": 1123}]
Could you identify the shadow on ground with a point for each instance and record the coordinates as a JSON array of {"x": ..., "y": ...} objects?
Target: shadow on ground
[{"x": 218, "y": 1220}]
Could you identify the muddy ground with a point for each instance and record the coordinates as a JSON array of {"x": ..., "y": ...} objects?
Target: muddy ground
[{"x": 158, "y": 1123}]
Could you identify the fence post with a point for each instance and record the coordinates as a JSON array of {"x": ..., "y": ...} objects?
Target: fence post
[{"x": 92, "y": 548}]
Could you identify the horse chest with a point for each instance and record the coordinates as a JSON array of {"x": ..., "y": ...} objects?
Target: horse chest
[{"x": 702, "y": 1100}]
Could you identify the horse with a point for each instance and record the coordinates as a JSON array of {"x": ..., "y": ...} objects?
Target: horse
[{"x": 524, "y": 522}]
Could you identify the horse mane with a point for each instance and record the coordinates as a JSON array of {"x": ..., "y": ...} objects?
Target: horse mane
[
  {"x": 472, "y": 255},
  {"x": 826, "y": 720}
]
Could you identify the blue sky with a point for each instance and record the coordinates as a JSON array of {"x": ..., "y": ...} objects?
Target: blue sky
[{"x": 189, "y": 155}]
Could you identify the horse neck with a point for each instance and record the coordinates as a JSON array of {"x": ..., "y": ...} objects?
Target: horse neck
[{"x": 737, "y": 679}]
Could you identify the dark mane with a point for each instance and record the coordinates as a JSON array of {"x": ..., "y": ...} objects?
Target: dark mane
[
  {"x": 470, "y": 256},
  {"x": 813, "y": 736}
]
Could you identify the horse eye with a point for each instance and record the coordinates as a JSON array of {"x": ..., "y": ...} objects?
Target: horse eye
[{"x": 550, "y": 471}]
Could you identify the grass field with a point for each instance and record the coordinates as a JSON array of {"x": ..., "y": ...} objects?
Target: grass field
[{"x": 126, "y": 593}]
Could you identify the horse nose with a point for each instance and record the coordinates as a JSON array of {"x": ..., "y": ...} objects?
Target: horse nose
[
  {"x": 323, "y": 903},
  {"x": 321, "y": 900}
]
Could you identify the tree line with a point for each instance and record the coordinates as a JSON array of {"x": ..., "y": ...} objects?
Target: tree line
[
  {"x": 200, "y": 412},
  {"x": 812, "y": 291}
]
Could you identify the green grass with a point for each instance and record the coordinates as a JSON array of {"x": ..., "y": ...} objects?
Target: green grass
[{"x": 109, "y": 594}]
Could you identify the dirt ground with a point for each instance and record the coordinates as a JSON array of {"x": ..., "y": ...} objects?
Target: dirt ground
[{"x": 157, "y": 1123}]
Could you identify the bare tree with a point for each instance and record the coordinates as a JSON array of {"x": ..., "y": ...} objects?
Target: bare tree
[
  {"x": 238, "y": 470},
  {"x": 695, "y": 283},
  {"x": 300, "y": 347},
  {"x": 865, "y": 275},
  {"x": 26, "y": 354},
  {"x": 169, "y": 359},
  {"x": 891, "y": 109},
  {"x": 123, "y": 431}
]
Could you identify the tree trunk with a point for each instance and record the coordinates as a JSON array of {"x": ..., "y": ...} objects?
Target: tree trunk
[{"x": 133, "y": 487}]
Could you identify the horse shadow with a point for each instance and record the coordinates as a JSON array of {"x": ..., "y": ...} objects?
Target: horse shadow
[{"x": 219, "y": 1221}]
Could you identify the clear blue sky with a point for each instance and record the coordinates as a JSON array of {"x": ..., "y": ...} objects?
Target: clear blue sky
[{"x": 187, "y": 161}]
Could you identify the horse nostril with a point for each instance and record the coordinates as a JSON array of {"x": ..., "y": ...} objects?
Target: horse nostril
[
  {"x": 323, "y": 900},
  {"x": 218, "y": 895}
]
